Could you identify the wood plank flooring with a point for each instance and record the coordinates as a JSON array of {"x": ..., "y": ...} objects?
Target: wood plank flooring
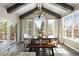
[{"x": 62, "y": 50}]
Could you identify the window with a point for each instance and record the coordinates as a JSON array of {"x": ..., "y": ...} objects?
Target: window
[
  {"x": 71, "y": 26},
  {"x": 68, "y": 23},
  {"x": 13, "y": 33},
  {"x": 39, "y": 25},
  {"x": 3, "y": 29},
  {"x": 51, "y": 27},
  {"x": 69, "y": 33},
  {"x": 30, "y": 24},
  {"x": 28, "y": 27},
  {"x": 76, "y": 26},
  {"x": 76, "y": 33}
]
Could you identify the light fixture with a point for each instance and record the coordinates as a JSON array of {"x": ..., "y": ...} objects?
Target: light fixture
[
  {"x": 39, "y": 11},
  {"x": 39, "y": 16}
]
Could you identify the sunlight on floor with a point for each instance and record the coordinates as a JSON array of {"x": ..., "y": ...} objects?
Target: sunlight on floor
[{"x": 60, "y": 50}]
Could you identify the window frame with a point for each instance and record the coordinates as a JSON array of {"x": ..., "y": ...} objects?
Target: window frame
[
  {"x": 67, "y": 28},
  {"x": 73, "y": 26}
]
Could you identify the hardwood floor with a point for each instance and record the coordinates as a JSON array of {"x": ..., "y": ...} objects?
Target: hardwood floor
[{"x": 62, "y": 50}]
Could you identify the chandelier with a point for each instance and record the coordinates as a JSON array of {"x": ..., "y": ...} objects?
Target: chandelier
[{"x": 39, "y": 11}]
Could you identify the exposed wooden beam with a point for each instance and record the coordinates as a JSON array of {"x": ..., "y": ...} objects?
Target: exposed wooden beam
[
  {"x": 15, "y": 7},
  {"x": 28, "y": 13},
  {"x": 66, "y": 6},
  {"x": 51, "y": 12}
]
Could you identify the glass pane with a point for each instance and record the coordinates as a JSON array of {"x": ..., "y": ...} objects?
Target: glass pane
[
  {"x": 68, "y": 21},
  {"x": 76, "y": 29},
  {"x": 69, "y": 33},
  {"x": 13, "y": 33},
  {"x": 30, "y": 27},
  {"x": 64, "y": 32},
  {"x": 51, "y": 27},
  {"x": 76, "y": 15},
  {"x": 76, "y": 33},
  {"x": 39, "y": 25},
  {"x": 3, "y": 29}
]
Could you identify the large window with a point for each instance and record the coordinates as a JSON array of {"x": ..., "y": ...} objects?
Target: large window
[
  {"x": 3, "y": 29},
  {"x": 71, "y": 26},
  {"x": 40, "y": 25},
  {"x": 51, "y": 27},
  {"x": 76, "y": 25},
  {"x": 13, "y": 33},
  {"x": 68, "y": 23},
  {"x": 28, "y": 27}
]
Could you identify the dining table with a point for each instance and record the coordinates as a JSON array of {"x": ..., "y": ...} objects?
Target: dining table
[
  {"x": 41, "y": 45},
  {"x": 50, "y": 45}
]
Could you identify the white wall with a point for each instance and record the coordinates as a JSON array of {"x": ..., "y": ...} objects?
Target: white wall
[{"x": 12, "y": 19}]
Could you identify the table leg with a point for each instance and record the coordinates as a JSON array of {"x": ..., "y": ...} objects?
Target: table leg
[
  {"x": 52, "y": 51},
  {"x": 24, "y": 46},
  {"x": 49, "y": 40},
  {"x": 30, "y": 49}
]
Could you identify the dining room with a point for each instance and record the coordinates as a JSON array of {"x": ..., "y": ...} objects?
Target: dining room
[{"x": 39, "y": 29}]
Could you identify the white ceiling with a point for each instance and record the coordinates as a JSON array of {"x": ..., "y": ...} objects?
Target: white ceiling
[
  {"x": 55, "y": 9},
  {"x": 25, "y": 9},
  {"x": 48, "y": 6}
]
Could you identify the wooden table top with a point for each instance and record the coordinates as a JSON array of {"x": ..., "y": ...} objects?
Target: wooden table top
[
  {"x": 38, "y": 45},
  {"x": 46, "y": 38}
]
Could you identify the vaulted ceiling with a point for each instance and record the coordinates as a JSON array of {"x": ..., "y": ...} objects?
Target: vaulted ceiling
[{"x": 57, "y": 10}]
